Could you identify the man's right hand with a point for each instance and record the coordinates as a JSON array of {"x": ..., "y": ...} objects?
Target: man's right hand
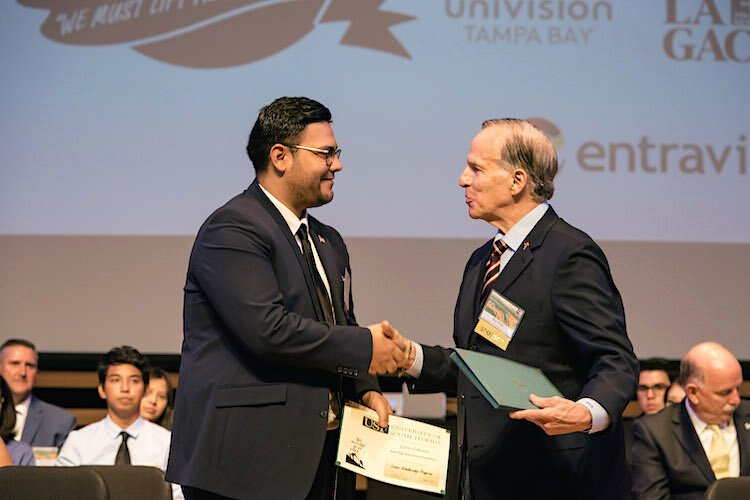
[{"x": 387, "y": 355}]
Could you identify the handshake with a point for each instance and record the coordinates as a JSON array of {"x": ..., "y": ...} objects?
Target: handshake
[{"x": 392, "y": 354}]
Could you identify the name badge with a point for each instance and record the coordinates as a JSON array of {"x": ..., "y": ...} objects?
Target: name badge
[{"x": 499, "y": 320}]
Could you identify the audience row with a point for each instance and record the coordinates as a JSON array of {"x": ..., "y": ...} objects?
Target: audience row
[
  {"x": 677, "y": 448},
  {"x": 135, "y": 430}
]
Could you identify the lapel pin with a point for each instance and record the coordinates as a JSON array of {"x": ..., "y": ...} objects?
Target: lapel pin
[
  {"x": 525, "y": 245},
  {"x": 321, "y": 239},
  {"x": 747, "y": 426}
]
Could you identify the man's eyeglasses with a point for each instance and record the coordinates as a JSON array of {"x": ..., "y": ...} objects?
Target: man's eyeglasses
[{"x": 327, "y": 153}]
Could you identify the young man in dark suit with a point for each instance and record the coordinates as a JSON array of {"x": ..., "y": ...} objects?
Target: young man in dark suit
[
  {"x": 271, "y": 345},
  {"x": 681, "y": 450},
  {"x": 573, "y": 329}
]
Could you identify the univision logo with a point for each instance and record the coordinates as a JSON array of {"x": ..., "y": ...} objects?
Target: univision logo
[{"x": 212, "y": 33}]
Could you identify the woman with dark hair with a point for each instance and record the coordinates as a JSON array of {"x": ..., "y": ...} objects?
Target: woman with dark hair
[
  {"x": 20, "y": 452},
  {"x": 158, "y": 402}
]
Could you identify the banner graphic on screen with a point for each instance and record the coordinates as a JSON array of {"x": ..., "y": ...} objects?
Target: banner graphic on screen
[
  {"x": 707, "y": 30},
  {"x": 212, "y": 34}
]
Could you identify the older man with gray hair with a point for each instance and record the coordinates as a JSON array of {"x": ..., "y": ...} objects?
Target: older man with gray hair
[{"x": 680, "y": 451}]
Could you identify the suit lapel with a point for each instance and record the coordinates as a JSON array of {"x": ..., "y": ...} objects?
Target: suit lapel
[
  {"x": 742, "y": 425},
  {"x": 255, "y": 191},
  {"x": 688, "y": 438},
  {"x": 33, "y": 421},
  {"x": 328, "y": 258},
  {"x": 524, "y": 255}
]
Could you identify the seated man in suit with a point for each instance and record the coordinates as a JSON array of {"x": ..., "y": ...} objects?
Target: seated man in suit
[
  {"x": 679, "y": 451},
  {"x": 123, "y": 437},
  {"x": 37, "y": 423}
]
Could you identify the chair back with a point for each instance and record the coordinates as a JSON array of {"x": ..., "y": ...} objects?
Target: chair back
[
  {"x": 729, "y": 488},
  {"x": 59, "y": 483},
  {"x": 126, "y": 482}
]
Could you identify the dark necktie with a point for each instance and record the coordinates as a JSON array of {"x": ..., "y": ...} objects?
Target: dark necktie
[
  {"x": 493, "y": 268},
  {"x": 320, "y": 288},
  {"x": 123, "y": 454}
]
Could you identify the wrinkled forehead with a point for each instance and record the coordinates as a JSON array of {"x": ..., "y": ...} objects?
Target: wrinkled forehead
[
  {"x": 20, "y": 353},
  {"x": 488, "y": 144}
]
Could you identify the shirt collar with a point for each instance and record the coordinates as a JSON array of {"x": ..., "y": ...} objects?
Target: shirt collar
[
  {"x": 23, "y": 406},
  {"x": 133, "y": 430},
  {"x": 289, "y": 217},
  {"x": 521, "y": 229}
]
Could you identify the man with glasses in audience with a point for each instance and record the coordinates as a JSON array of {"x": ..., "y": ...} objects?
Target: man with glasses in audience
[{"x": 653, "y": 382}]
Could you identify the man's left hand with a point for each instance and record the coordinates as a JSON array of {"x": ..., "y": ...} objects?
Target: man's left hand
[
  {"x": 556, "y": 415},
  {"x": 376, "y": 401}
]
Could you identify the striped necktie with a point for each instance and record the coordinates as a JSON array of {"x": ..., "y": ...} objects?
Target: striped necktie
[{"x": 493, "y": 267}]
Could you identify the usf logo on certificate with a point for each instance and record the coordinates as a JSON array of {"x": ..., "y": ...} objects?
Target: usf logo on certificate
[
  {"x": 407, "y": 453},
  {"x": 499, "y": 320}
]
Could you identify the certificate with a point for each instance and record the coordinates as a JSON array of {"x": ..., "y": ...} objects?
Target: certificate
[{"x": 407, "y": 453}]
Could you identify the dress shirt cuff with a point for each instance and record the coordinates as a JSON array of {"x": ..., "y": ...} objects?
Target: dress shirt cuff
[
  {"x": 599, "y": 417},
  {"x": 416, "y": 368}
]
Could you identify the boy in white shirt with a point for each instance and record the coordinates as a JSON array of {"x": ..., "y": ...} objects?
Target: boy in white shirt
[{"x": 123, "y": 437}]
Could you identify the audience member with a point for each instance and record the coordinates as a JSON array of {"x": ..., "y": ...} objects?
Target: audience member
[
  {"x": 681, "y": 450},
  {"x": 675, "y": 394},
  {"x": 123, "y": 437},
  {"x": 18, "y": 452},
  {"x": 38, "y": 423},
  {"x": 5, "y": 458},
  {"x": 653, "y": 382},
  {"x": 158, "y": 402}
]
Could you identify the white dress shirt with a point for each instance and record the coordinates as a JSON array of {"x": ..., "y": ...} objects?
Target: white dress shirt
[
  {"x": 728, "y": 432},
  {"x": 294, "y": 223},
  {"x": 97, "y": 444},
  {"x": 22, "y": 411},
  {"x": 514, "y": 238}
]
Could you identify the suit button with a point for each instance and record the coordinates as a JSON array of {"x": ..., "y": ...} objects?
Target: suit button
[
  {"x": 356, "y": 372},
  {"x": 473, "y": 347},
  {"x": 324, "y": 414},
  {"x": 339, "y": 369},
  {"x": 462, "y": 399}
]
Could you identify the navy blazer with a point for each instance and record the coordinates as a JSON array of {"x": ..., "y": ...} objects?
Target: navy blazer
[
  {"x": 669, "y": 460},
  {"x": 46, "y": 424},
  {"x": 574, "y": 331},
  {"x": 257, "y": 363}
]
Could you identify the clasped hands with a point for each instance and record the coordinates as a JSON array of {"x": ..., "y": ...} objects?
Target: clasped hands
[{"x": 392, "y": 354}]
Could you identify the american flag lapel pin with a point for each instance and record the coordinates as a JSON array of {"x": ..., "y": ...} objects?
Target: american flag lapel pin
[{"x": 525, "y": 245}]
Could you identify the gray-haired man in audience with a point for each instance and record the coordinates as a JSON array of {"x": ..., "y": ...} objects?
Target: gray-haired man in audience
[{"x": 37, "y": 423}]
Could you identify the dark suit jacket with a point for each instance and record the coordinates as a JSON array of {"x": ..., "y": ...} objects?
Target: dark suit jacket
[
  {"x": 257, "y": 363},
  {"x": 574, "y": 331},
  {"x": 46, "y": 424},
  {"x": 669, "y": 460}
]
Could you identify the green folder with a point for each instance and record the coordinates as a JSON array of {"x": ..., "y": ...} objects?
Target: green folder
[{"x": 504, "y": 383}]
